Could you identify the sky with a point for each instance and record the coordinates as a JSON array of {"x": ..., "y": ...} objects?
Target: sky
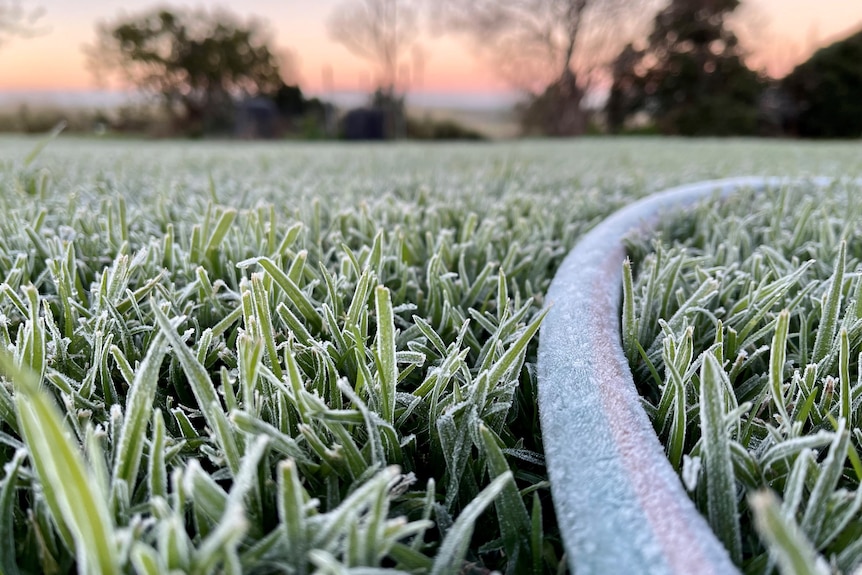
[{"x": 779, "y": 34}]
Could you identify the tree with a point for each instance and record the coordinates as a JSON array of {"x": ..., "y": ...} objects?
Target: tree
[
  {"x": 626, "y": 96},
  {"x": 826, "y": 91},
  {"x": 379, "y": 31},
  {"x": 552, "y": 50},
  {"x": 197, "y": 62},
  {"x": 691, "y": 78},
  {"x": 16, "y": 20}
]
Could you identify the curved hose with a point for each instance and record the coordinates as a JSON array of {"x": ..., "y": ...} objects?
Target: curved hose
[{"x": 620, "y": 505}]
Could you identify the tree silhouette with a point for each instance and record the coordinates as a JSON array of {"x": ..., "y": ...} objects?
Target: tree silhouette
[
  {"x": 553, "y": 50},
  {"x": 691, "y": 78},
  {"x": 826, "y": 91},
  {"x": 197, "y": 62}
]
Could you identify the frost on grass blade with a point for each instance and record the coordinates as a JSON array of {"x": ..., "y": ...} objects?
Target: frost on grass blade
[
  {"x": 827, "y": 481},
  {"x": 7, "y": 510},
  {"x": 139, "y": 408},
  {"x": 780, "y": 284},
  {"x": 294, "y": 294},
  {"x": 630, "y": 327},
  {"x": 511, "y": 511},
  {"x": 791, "y": 550},
  {"x": 387, "y": 368},
  {"x": 201, "y": 384},
  {"x": 464, "y": 239},
  {"x": 776, "y": 367},
  {"x": 457, "y": 539},
  {"x": 830, "y": 308},
  {"x": 721, "y": 486},
  {"x": 80, "y": 512}
]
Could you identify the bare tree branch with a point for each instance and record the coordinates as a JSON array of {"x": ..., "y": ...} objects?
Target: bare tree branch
[
  {"x": 534, "y": 43},
  {"x": 379, "y": 31}
]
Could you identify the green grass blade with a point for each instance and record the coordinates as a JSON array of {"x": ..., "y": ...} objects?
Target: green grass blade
[
  {"x": 295, "y": 325},
  {"x": 290, "y": 237},
  {"x": 845, "y": 398},
  {"x": 260, "y": 297},
  {"x": 139, "y": 408},
  {"x": 452, "y": 550},
  {"x": 787, "y": 544},
  {"x": 227, "y": 535},
  {"x": 220, "y": 230},
  {"x": 230, "y": 319},
  {"x": 43, "y": 142},
  {"x": 508, "y": 360},
  {"x": 511, "y": 512},
  {"x": 175, "y": 549},
  {"x": 33, "y": 353},
  {"x": 795, "y": 485},
  {"x": 427, "y": 508},
  {"x": 146, "y": 561},
  {"x": 536, "y": 535},
  {"x": 387, "y": 367},
  {"x": 280, "y": 441},
  {"x": 337, "y": 522},
  {"x": 360, "y": 297},
  {"x": 294, "y": 294},
  {"x": 207, "y": 496},
  {"x": 67, "y": 484},
  {"x": 722, "y": 513},
  {"x": 7, "y": 509},
  {"x": 776, "y": 367},
  {"x": 291, "y": 513},
  {"x": 157, "y": 476},
  {"x": 199, "y": 380},
  {"x": 630, "y": 321},
  {"x": 226, "y": 438},
  {"x": 831, "y": 308},
  {"x": 830, "y": 473}
]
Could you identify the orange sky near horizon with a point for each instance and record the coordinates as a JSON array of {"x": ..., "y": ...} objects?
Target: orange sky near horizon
[{"x": 778, "y": 33}]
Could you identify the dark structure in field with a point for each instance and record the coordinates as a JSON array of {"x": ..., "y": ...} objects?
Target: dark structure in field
[
  {"x": 365, "y": 124},
  {"x": 257, "y": 118}
]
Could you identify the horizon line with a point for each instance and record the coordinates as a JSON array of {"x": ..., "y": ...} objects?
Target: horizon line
[{"x": 78, "y": 98}]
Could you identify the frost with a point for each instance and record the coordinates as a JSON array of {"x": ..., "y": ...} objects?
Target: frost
[{"x": 690, "y": 472}]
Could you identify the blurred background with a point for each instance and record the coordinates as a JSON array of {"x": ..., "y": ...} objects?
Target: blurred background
[{"x": 432, "y": 69}]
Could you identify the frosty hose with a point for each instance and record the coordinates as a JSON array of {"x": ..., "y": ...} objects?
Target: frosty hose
[{"x": 620, "y": 505}]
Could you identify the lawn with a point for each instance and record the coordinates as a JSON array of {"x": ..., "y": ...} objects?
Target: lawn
[
  {"x": 746, "y": 342},
  {"x": 300, "y": 358}
]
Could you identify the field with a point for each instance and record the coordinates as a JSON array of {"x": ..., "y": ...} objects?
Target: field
[
  {"x": 751, "y": 311},
  {"x": 318, "y": 358}
]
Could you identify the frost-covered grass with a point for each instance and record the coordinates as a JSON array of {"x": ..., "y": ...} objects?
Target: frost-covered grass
[
  {"x": 285, "y": 358},
  {"x": 748, "y": 319}
]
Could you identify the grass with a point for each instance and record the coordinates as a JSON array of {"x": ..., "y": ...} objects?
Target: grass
[
  {"x": 748, "y": 329},
  {"x": 284, "y": 358}
]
